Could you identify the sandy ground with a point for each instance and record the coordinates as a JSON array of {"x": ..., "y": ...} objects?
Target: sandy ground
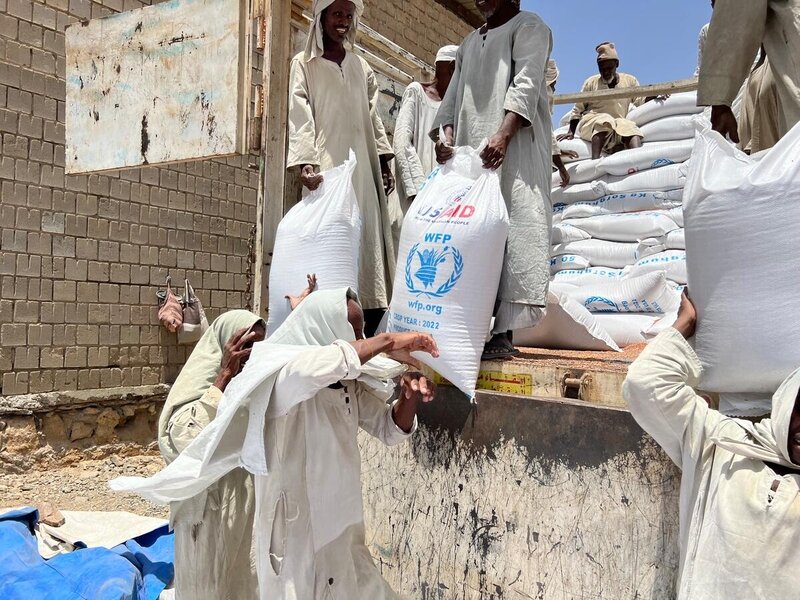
[{"x": 82, "y": 486}]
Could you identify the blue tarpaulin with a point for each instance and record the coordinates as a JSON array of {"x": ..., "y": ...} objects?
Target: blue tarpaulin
[{"x": 139, "y": 569}]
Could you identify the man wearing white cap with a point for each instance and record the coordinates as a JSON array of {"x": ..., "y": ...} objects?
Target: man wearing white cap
[
  {"x": 603, "y": 122},
  {"x": 413, "y": 149},
  {"x": 499, "y": 94},
  {"x": 333, "y": 95}
]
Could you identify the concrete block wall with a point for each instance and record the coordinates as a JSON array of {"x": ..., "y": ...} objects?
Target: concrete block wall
[
  {"x": 419, "y": 26},
  {"x": 81, "y": 257}
]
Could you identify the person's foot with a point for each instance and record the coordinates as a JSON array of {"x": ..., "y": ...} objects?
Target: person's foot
[{"x": 499, "y": 347}]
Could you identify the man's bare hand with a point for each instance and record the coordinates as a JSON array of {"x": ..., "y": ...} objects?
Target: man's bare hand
[
  {"x": 235, "y": 354},
  {"x": 388, "y": 178},
  {"x": 415, "y": 386},
  {"x": 401, "y": 345},
  {"x": 444, "y": 149},
  {"x": 570, "y": 154},
  {"x": 723, "y": 121},
  {"x": 309, "y": 178},
  {"x": 564, "y": 176},
  {"x": 294, "y": 301},
  {"x": 565, "y": 136},
  {"x": 687, "y": 317},
  {"x": 494, "y": 153}
]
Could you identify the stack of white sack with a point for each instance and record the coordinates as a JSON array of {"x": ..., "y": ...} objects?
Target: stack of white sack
[{"x": 618, "y": 239}]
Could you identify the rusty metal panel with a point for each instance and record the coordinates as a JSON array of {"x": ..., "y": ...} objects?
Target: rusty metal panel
[
  {"x": 522, "y": 498},
  {"x": 156, "y": 85}
]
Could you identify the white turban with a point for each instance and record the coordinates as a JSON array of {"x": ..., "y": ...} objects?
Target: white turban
[
  {"x": 446, "y": 54},
  {"x": 314, "y": 45},
  {"x": 551, "y": 73}
]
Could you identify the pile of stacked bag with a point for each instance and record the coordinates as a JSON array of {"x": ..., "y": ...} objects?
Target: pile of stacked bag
[{"x": 618, "y": 260}]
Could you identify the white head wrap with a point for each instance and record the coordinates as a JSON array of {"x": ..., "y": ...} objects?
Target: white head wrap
[
  {"x": 314, "y": 45},
  {"x": 767, "y": 440},
  {"x": 446, "y": 54}
]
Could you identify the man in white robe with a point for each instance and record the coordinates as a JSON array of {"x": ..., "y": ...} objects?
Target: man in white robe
[
  {"x": 740, "y": 484},
  {"x": 413, "y": 148},
  {"x": 604, "y": 123},
  {"x": 291, "y": 417},
  {"x": 499, "y": 93},
  {"x": 333, "y": 97},
  {"x": 737, "y": 31}
]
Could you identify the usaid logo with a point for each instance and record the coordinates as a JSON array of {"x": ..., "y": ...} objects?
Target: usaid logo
[
  {"x": 453, "y": 210},
  {"x": 433, "y": 269}
]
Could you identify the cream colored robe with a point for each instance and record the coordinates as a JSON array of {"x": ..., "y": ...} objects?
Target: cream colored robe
[
  {"x": 758, "y": 124},
  {"x": 315, "y": 472},
  {"x": 738, "y": 536},
  {"x": 503, "y": 70},
  {"x": 737, "y": 30},
  {"x": 607, "y": 116},
  {"x": 414, "y": 151},
  {"x": 331, "y": 110}
]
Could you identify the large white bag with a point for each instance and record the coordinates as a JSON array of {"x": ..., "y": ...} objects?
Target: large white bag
[
  {"x": 578, "y": 193},
  {"x": 566, "y": 262},
  {"x": 672, "y": 262},
  {"x": 627, "y": 329},
  {"x": 564, "y": 232},
  {"x": 624, "y": 227},
  {"x": 677, "y": 104},
  {"x": 580, "y": 172},
  {"x": 652, "y": 156},
  {"x": 566, "y": 326},
  {"x": 671, "y": 177},
  {"x": 587, "y": 276},
  {"x": 621, "y": 203},
  {"x": 318, "y": 235},
  {"x": 742, "y": 242},
  {"x": 650, "y": 293},
  {"x": 599, "y": 253},
  {"x": 449, "y": 265},
  {"x": 680, "y": 127}
]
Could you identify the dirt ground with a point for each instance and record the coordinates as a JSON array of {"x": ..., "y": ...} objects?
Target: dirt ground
[{"x": 82, "y": 486}]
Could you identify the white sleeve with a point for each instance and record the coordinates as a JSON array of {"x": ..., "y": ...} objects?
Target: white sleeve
[{"x": 375, "y": 417}]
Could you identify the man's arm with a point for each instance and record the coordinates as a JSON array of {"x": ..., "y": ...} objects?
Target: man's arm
[
  {"x": 660, "y": 395},
  {"x": 734, "y": 37},
  {"x": 394, "y": 423}
]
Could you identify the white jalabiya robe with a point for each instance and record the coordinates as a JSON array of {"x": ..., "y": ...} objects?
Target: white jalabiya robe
[
  {"x": 607, "y": 116},
  {"x": 737, "y": 30},
  {"x": 414, "y": 151},
  {"x": 739, "y": 519},
  {"x": 498, "y": 71},
  {"x": 315, "y": 472},
  {"x": 332, "y": 109},
  {"x": 758, "y": 123}
]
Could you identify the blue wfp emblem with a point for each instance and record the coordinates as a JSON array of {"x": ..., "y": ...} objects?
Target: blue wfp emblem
[
  {"x": 601, "y": 304},
  {"x": 661, "y": 162},
  {"x": 424, "y": 268}
]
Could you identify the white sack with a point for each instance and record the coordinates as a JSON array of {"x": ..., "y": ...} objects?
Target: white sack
[
  {"x": 652, "y": 156},
  {"x": 671, "y": 262},
  {"x": 579, "y": 172},
  {"x": 676, "y": 239},
  {"x": 676, "y": 214},
  {"x": 582, "y": 147},
  {"x": 564, "y": 232},
  {"x": 565, "y": 326},
  {"x": 742, "y": 224},
  {"x": 587, "y": 276},
  {"x": 684, "y": 103},
  {"x": 627, "y": 329},
  {"x": 318, "y": 235},
  {"x": 567, "y": 262},
  {"x": 624, "y": 227},
  {"x": 578, "y": 193},
  {"x": 649, "y": 293},
  {"x": 449, "y": 264},
  {"x": 680, "y": 127},
  {"x": 599, "y": 253},
  {"x": 621, "y": 203},
  {"x": 671, "y": 177}
]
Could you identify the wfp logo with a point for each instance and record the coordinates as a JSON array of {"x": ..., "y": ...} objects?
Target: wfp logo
[{"x": 426, "y": 267}]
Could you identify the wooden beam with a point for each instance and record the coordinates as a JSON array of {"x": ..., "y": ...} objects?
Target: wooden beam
[
  {"x": 642, "y": 91},
  {"x": 462, "y": 12},
  {"x": 277, "y": 59}
]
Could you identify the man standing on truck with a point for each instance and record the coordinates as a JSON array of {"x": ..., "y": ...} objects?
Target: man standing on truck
[
  {"x": 736, "y": 32},
  {"x": 603, "y": 122},
  {"x": 499, "y": 93},
  {"x": 740, "y": 488}
]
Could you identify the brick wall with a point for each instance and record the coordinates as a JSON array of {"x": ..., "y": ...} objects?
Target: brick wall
[
  {"x": 419, "y": 26},
  {"x": 81, "y": 257}
]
